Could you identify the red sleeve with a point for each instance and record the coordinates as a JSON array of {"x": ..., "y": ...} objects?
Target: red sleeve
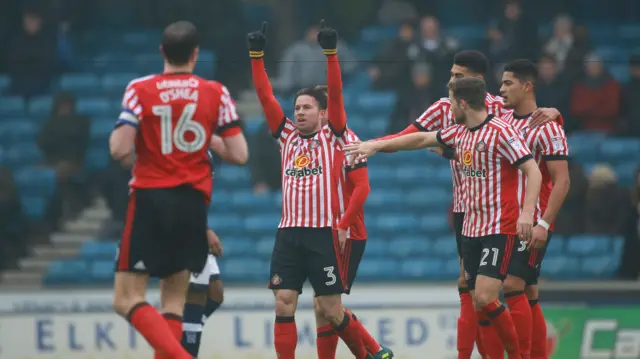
[
  {"x": 335, "y": 103},
  {"x": 360, "y": 179},
  {"x": 410, "y": 129},
  {"x": 560, "y": 120},
  {"x": 272, "y": 110}
]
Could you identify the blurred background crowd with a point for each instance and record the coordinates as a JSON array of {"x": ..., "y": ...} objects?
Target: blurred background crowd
[{"x": 67, "y": 62}]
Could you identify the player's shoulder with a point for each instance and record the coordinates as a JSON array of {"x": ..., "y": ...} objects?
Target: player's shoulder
[
  {"x": 351, "y": 136},
  {"x": 213, "y": 84},
  {"x": 443, "y": 102},
  {"x": 141, "y": 81},
  {"x": 552, "y": 128},
  {"x": 499, "y": 124},
  {"x": 493, "y": 98}
]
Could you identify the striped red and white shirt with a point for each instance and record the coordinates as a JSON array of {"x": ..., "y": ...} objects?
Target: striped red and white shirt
[
  {"x": 546, "y": 143},
  {"x": 345, "y": 187},
  {"x": 489, "y": 155},
  {"x": 438, "y": 117},
  {"x": 308, "y": 165}
]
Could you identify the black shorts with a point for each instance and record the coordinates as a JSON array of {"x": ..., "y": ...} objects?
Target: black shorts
[
  {"x": 313, "y": 253},
  {"x": 458, "y": 221},
  {"x": 165, "y": 232},
  {"x": 527, "y": 264},
  {"x": 489, "y": 256}
]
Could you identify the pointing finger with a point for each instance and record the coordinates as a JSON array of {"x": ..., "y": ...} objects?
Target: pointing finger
[{"x": 263, "y": 30}]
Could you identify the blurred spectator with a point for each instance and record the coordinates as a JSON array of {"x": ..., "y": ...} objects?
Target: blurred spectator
[
  {"x": 553, "y": 89},
  {"x": 595, "y": 101},
  {"x": 396, "y": 12},
  {"x": 415, "y": 100},
  {"x": 561, "y": 41},
  {"x": 496, "y": 46},
  {"x": 629, "y": 264},
  {"x": 264, "y": 161},
  {"x": 302, "y": 61},
  {"x": 630, "y": 120},
  {"x": 520, "y": 31},
  {"x": 392, "y": 66},
  {"x": 32, "y": 57},
  {"x": 12, "y": 222},
  {"x": 63, "y": 140},
  {"x": 573, "y": 64},
  {"x": 115, "y": 187},
  {"x": 604, "y": 213},
  {"x": 437, "y": 50},
  {"x": 570, "y": 220}
]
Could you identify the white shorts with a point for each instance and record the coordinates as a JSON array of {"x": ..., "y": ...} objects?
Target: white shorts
[{"x": 210, "y": 272}]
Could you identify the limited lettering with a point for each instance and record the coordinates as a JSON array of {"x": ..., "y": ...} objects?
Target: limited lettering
[
  {"x": 174, "y": 94},
  {"x": 303, "y": 172},
  {"x": 471, "y": 172},
  {"x": 165, "y": 84}
]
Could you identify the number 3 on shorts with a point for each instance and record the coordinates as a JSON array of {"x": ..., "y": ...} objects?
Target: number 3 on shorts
[
  {"x": 330, "y": 275},
  {"x": 485, "y": 254}
]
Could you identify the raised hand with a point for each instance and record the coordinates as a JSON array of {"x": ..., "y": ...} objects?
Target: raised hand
[
  {"x": 360, "y": 150},
  {"x": 328, "y": 39},
  {"x": 257, "y": 41}
]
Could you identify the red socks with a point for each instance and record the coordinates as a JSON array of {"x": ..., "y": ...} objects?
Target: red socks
[
  {"x": 155, "y": 329},
  {"x": 539, "y": 335},
  {"x": 467, "y": 325},
  {"x": 370, "y": 344},
  {"x": 521, "y": 313},
  {"x": 488, "y": 338},
  {"x": 285, "y": 337},
  {"x": 175, "y": 325},
  {"x": 326, "y": 342},
  {"x": 349, "y": 332},
  {"x": 503, "y": 323}
]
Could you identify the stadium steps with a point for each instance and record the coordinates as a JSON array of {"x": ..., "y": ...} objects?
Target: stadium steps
[{"x": 63, "y": 245}]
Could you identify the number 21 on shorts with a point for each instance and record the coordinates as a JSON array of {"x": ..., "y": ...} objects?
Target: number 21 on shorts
[{"x": 486, "y": 252}]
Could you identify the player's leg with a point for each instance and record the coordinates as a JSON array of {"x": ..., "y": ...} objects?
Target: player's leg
[
  {"x": 519, "y": 271},
  {"x": 328, "y": 278},
  {"x": 327, "y": 338},
  {"x": 173, "y": 292},
  {"x": 467, "y": 321},
  {"x": 133, "y": 264},
  {"x": 539, "y": 336},
  {"x": 287, "y": 273},
  {"x": 497, "y": 251},
  {"x": 194, "y": 309}
]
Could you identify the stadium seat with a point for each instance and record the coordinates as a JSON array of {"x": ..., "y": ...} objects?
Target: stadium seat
[
  {"x": 556, "y": 245},
  {"x": 375, "y": 102},
  {"x": 36, "y": 181},
  {"x": 618, "y": 246},
  {"x": 560, "y": 267},
  {"x": 84, "y": 83},
  {"x": 239, "y": 247},
  {"x": 589, "y": 245},
  {"x": 220, "y": 201},
  {"x": 388, "y": 199},
  {"x": 222, "y": 222},
  {"x": 422, "y": 268},
  {"x": 246, "y": 200},
  {"x": 35, "y": 207},
  {"x": 619, "y": 149},
  {"x": 206, "y": 64},
  {"x": 452, "y": 268},
  {"x": 445, "y": 246},
  {"x": 435, "y": 224},
  {"x": 603, "y": 265},
  {"x": 116, "y": 82},
  {"x": 436, "y": 199},
  {"x": 245, "y": 270},
  {"x": 100, "y": 131},
  {"x": 95, "y": 107},
  {"x": 97, "y": 159},
  {"x": 141, "y": 40},
  {"x": 264, "y": 246},
  {"x": 626, "y": 172},
  {"x": 102, "y": 271},
  {"x": 405, "y": 247},
  {"x": 392, "y": 222},
  {"x": 22, "y": 155},
  {"x": 228, "y": 176},
  {"x": 17, "y": 131},
  {"x": 376, "y": 247},
  {"x": 377, "y": 268},
  {"x": 147, "y": 63},
  {"x": 40, "y": 107},
  {"x": 5, "y": 82},
  {"x": 261, "y": 223},
  {"x": 378, "y": 34},
  {"x": 12, "y": 106},
  {"x": 66, "y": 272},
  {"x": 91, "y": 250}
]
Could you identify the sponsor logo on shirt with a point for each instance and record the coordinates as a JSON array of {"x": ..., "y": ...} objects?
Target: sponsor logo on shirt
[
  {"x": 467, "y": 161},
  {"x": 300, "y": 168}
]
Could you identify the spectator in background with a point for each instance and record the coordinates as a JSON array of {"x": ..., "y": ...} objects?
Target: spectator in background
[
  {"x": 630, "y": 120},
  {"x": 396, "y": 12},
  {"x": 553, "y": 89},
  {"x": 496, "y": 46},
  {"x": 561, "y": 41},
  {"x": 604, "y": 212},
  {"x": 570, "y": 220},
  {"x": 32, "y": 55},
  {"x": 301, "y": 63},
  {"x": 13, "y": 227},
  {"x": 574, "y": 63},
  {"x": 63, "y": 140},
  {"x": 437, "y": 50},
  {"x": 264, "y": 161},
  {"x": 392, "y": 66},
  {"x": 415, "y": 100},
  {"x": 595, "y": 101},
  {"x": 629, "y": 264},
  {"x": 520, "y": 32},
  {"x": 115, "y": 187}
]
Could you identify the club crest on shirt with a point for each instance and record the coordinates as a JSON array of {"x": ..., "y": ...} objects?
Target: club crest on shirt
[
  {"x": 524, "y": 132},
  {"x": 276, "y": 280},
  {"x": 481, "y": 146},
  {"x": 314, "y": 144}
]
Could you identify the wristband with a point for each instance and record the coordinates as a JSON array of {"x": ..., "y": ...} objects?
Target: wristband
[{"x": 542, "y": 223}]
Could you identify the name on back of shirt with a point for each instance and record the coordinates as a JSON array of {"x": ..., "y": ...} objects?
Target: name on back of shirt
[{"x": 183, "y": 89}]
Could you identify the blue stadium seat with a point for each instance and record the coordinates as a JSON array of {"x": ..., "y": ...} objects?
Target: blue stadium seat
[
  {"x": 435, "y": 224},
  {"x": 600, "y": 266},
  {"x": 239, "y": 247},
  {"x": 626, "y": 172},
  {"x": 589, "y": 245},
  {"x": 245, "y": 270},
  {"x": 377, "y": 268},
  {"x": 422, "y": 268},
  {"x": 376, "y": 102},
  {"x": 360, "y": 81},
  {"x": 556, "y": 245},
  {"x": 85, "y": 83},
  {"x": 100, "y": 132},
  {"x": 12, "y": 106},
  {"x": 95, "y": 107},
  {"x": 116, "y": 82},
  {"x": 36, "y": 181},
  {"x": 40, "y": 107},
  {"x": 620, "y": 72},
  {"x": 91, "y": 250},
  {"x": 147, "y": 63},
  {"x": 379, "y": 176},
  {"x": 97, "y": 159},
  {"x": 12, "y": 132},
  {"x": 261, "y": 223},
  {"x": 392, "y": 222},
  {"x": 585, "y": 146},
  {"x": 102, "y": 271},
  {"x": 67, "y": 272},
  {"x": 232, "y": 176},
  {"x": 452, "y": 268},
  {"x": 446, "y": 246},
  {"x": 389, "y": 199},
  {"x": 141, "y": 40},
  {"x": 247, "y": 200},
  {"x": 378, "y": 34},
  {"x": 206, "y": 64},
  {"x": 222, "y": 222},
  {"x": 629, "y": 31},
  {"x": 560, "y": 267},
  {"x": 377, "y": 247},
  {"x": 429, "y": 198},
  {"x": 23, "y": 154},
  {"x": 405, "y": 247},
  {"x": 35, "y": 207},
  {"x": 5, "y": 82},
  {"x": 619, "y": 149},
  {"x": 618, "y": 246},
  {"x": 264, "y": 246}
]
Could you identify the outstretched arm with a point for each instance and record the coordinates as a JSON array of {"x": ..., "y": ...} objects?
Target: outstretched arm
[
  {"x": 328, "y": 39},
  {"x": 413, "y": 141}
]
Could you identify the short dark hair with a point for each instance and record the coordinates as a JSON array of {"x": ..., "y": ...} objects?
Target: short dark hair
[
  {"x": 470, "y": 89},
  {"x": 319, "y": 93},
  {"x": 178, "y": 42},
  {"x": 523, "y": 70},
  {"x": 475, "y": 61}
]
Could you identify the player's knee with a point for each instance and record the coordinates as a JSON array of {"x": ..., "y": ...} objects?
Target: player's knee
[
  {"x": 462, "y": 282},
  {"x": 216, "y": 291},
  {"x": 484, "y": 297},
  {"x": 532, "y": 292},
  {"x": 513, "y": 284},
  {"x": 330, "y": 307},
  {"x": 285, "y": 303}
]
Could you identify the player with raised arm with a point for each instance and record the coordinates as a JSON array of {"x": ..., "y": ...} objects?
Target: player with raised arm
[
  {"x": 467, "y": 63},
  {"x": 307, "y": 247},
  {"x": 548, "y": 144},
  {"x": 167, "y": 121},
  {"x": 490, "y": 152}
]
